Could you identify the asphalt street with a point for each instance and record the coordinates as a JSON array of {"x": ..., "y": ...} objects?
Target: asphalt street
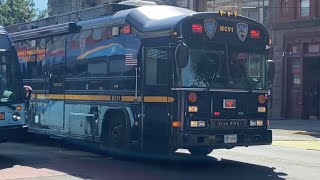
[{"x": 53, "y": 161}]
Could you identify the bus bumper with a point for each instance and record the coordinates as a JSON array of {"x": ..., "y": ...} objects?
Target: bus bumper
[
  {"x": 11, "y": 132},
  {"x": 219, "y": 140}
]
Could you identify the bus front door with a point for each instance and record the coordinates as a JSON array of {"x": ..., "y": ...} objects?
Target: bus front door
[
  {"x": 54, "y": 110},
  {"x": 156, "y": 122}
]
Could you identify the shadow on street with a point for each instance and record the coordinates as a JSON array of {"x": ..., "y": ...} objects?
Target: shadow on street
[{"x": 86, "y": 165}]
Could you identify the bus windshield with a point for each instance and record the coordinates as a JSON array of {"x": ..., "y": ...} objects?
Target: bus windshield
[
  {"x": 223, "y": 67},
  {"x": 9, "y": 81}
]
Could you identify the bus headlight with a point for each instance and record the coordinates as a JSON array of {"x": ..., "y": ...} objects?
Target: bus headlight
[
  {"x": 262, "y": 109},
  {"x": 256, "y": 123},
  {"x": 259, "y": 123},
  {"x": 192, "y": 109},
  {"x": 16, "y": 116},
  {"x": 195, "y": 124}
]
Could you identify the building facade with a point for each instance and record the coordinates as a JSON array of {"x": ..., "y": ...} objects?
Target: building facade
[
  {"x": 256, "y": 9},
  {"x": 56, "y": 7},
  {"x": 296, "y": 51}
]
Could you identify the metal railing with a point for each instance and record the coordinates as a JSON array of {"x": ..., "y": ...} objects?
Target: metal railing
[{"x": 83, "y": 14}]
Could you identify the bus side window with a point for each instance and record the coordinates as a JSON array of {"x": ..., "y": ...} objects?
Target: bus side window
[{"x": 155, "y": 66}]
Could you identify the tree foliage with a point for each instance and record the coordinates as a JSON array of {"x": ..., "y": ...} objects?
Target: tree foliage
[
  {"x": 16, "y": 11},
  {"x": 42, "y": 13}
]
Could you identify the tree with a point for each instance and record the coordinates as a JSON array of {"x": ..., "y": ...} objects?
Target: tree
[
  {"x": 16, "y": 11},
  {"x": 42, "y": 13}
]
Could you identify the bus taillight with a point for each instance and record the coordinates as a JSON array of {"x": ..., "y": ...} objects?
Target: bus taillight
[
  {"x": 261, "y": 99},
  {"x": 255, "y": 34},
  {"x": 192, "y": 97},
  {"x": 197, "y": 28}
]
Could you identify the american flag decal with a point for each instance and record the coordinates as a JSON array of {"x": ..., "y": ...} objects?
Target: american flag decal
[{"x": 131, "y": 60}]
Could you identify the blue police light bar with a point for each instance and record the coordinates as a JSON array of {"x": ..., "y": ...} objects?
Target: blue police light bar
[{"x": 43, "y": 32}]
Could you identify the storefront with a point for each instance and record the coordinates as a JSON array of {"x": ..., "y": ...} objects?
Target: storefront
[{"x": 302, "y": 75}]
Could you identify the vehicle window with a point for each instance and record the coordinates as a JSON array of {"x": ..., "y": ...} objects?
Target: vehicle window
[
  {"x": 155, "y": 66},
  {"x": 9, "y": 88},
  {"x": 5, "y": 43}
]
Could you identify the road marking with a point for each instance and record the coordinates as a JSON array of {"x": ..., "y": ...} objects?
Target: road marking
[{"x": 309, "y": 145}]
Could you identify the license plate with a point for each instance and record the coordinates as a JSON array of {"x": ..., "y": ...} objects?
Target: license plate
[
  {"x": 2, "y": 116},
  {"x": 231, "y": 138}
]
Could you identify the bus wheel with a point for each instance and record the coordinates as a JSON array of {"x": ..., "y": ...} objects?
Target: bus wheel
[
  {"x": 200, "y": 151},
  {"x": 115, "y": 131}
]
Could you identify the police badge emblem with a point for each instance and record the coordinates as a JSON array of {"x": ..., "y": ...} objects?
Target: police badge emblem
[
  {"x": 242, "y": 31},
  {"x": 210, "y": 27}
]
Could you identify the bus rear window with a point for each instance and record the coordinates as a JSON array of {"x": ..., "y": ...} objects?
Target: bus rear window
[{"x": 4, "y": 43}]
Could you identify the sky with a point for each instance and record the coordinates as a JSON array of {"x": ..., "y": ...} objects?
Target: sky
[{"x": 41, "y": 4}]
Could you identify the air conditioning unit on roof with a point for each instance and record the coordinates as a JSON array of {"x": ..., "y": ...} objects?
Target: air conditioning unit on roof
[{"x": 137, "y": 3}]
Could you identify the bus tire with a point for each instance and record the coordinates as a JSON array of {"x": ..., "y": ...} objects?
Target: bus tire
[
  {"x": 200, "y": 151},
  {"x": 114, "y": 136}
]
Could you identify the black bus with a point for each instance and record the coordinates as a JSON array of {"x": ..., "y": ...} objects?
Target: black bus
[
  {"x": 12, "y": 101},
  {"x": 150, "y": 79}
]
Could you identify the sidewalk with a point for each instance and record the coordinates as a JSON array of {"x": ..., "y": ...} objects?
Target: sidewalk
[
  {"x": 296, "y": 125},
  {"x": 303, "y": 134}
]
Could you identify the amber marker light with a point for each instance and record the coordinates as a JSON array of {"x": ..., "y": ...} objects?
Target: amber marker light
[
  {"x": 176, "y": 124},
  {"x": 19, "y": 108}
]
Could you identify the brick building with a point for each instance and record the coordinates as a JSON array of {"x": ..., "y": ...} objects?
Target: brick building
[
  {"x": 296, "y": 51},
  {"x": 256, "y": 9},
  {"x": 60, "y": 10},
  {"x": 56, "y": 7}
]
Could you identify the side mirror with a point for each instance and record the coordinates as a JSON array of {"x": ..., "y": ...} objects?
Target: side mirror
[
  {"x": 271, "y": 68},
  {"x": 182, "y": 55}
]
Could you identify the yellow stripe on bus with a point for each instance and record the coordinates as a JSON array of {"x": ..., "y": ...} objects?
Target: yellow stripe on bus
[
  {"x": 87, "y": 97},
  {"x": 162, "y": 99},
  {"x": 130, "y": 98},
  {"x": 47, "y": 96},
  {"x": 158, "y": 99}
]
